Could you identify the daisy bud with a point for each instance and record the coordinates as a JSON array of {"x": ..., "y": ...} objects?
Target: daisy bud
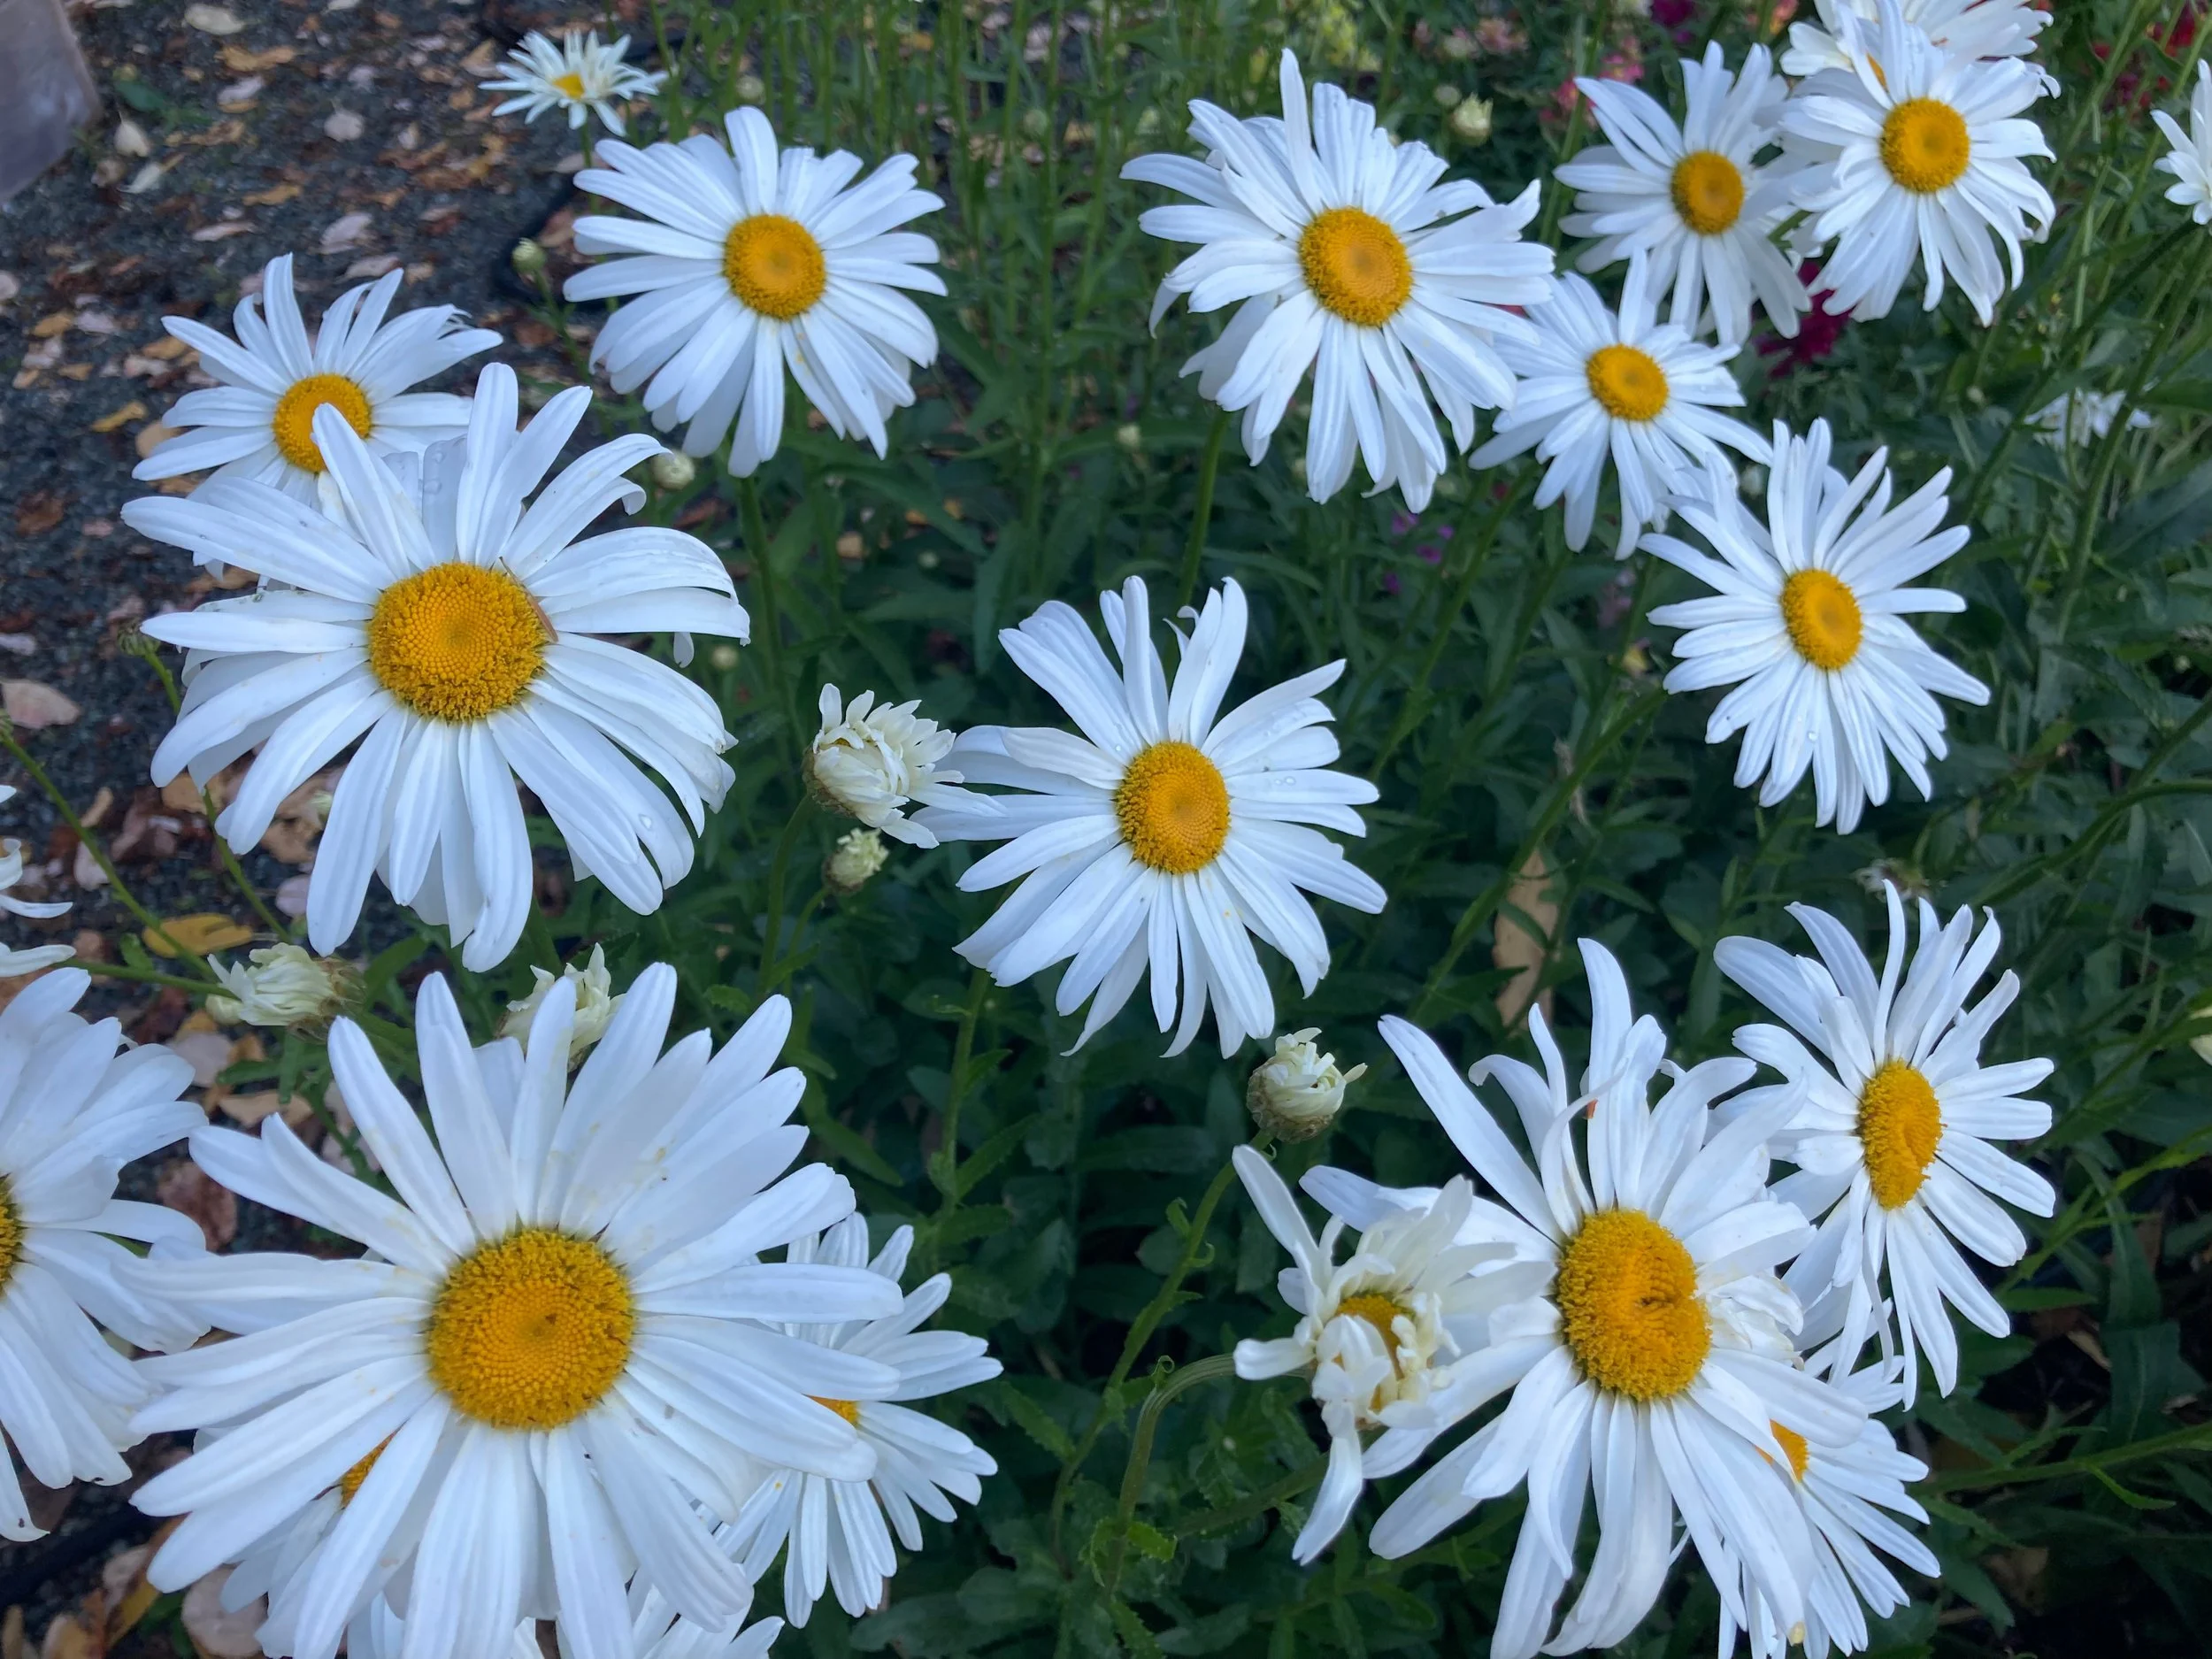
[
  {"x": 594, "y": 1007},
  {"x": 280, "y": 986},
  {"x": 1470, "y": 120},
  {"x": 868, "y": 762},
  {"x": 751, "y": 89},
  {"x": 857, "y": 855},
  {"x": 1449, "y": 97},
  {"x": 1296, "y": 1093},
  {"x": 723, "y": 657},
  {"x": 1130, "y": 436},
  {"x": 527, "y": 258},
  {"x": 673, "y": 470}
]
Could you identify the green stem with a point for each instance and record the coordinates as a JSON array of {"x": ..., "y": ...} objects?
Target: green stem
[
  {"x": 789, "y": 960},
  {"x": 1204, "y": 1371},
  {"x": 2196, "y": 1438},
  {"x": 1209, "y": 466},
  {"x": 771, "y": 938},
  {"x": 141, "y": 976},
  {"x": 945, "y": 1163},
  {"x": 770, "y": 633},
  {"x": 1259, "y": 1503}
]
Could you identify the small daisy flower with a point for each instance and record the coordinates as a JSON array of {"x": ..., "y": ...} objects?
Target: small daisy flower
[
  {"x": 32, "y": 958},
  {"x": 580, "y": 75},
  {"x": 2077, "y": 419},
  {"x": 1912, "y": 154},
  {"x": 1807, "y": 620},
  {"x": 1893, "y": 1141},
  {"x": 2190, "y": 160},
  {"x": 1962, "y": 28},
  {"x": 1844, "y": 1492},
  {"x": 753, "y": 263},
  {"x": 551, "y": 1354},
  {"x": 869, "y": 763},
  {"x": 1401, "y": 1319},
  {"x": 1344, "y": 250},
  {"x": 73, "y": 1113},
  {"x": 1167, "y": 834},
  {"x": 455, "y": 634},
  {"x": 1655, "y": 1351},
  {"x": 260, "y": 423},
  {"x": 1296, "y": 1092},
  {"x": 279, "y": 985},
  {"x": 596, "y": 1000},
  {"x": 840, "y": 1531},
  {"x": 1690, "y": 197},
  {"x": 1595, "y": 387}
]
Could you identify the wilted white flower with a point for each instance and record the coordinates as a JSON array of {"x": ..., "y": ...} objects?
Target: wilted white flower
[
  {"x": 582, "y": 75},
  {"x": 2080, "y": 418},
  {"x": 13, "y": 962},
  {"x": 594, "y": 1007},
  {"x": 1297, "y": 1091},
  {"x": 857, "y": 855},
  {"x": 869, "y": 761},
  {"x": 282, "y": 986}
]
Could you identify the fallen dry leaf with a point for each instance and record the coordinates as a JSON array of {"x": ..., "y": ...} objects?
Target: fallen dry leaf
[
  {"x": 215, "y": 1634},
  {"x": 343, "y": 233},
  {"x": 52, "y": 324},
  {"x": 205, "y": 931},
  {"x": 375, "y": 264},
  {"x": 69, "y": 1638},
  {"x": 33, "y": 705},
  {"x": 217, "y": 232},
  {"x": 1518, "y": 948},
  {"x": 130, "y": 139},
  {"x": 145, "y": 179},
  {"x": 184, "y": 1187},
  {"x": 238, "y": 60},
  {"x": 240, "y": 94},
  {"x": 213, "y": 20},
  {"x": 11, "y": 285},
  {"x": 150, "y": 438},
  {"x": 114, "y": 417},
  {"x": 123, "y": 1583},
  {"x": 275, "y": 195},
  {"x": 205, "y": 1049},
  {"x": 344, "y": 126}
]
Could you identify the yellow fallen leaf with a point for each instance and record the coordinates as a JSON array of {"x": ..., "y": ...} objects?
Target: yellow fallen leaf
[
  {"x": 240, "y": 61},
  {"x": 53, "y": 323},
  {"x": 130, "y": 411},
  {"x": 275, "y": 195},
  {"x": 1517, "y": 947},
  {"x": 209, "y": 930}
]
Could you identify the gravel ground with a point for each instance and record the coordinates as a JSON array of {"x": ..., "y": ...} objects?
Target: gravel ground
[{"x": 354, "y": 135}]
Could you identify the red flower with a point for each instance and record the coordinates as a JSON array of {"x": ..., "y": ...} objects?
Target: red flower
[{"x": 1817, "y": 333}]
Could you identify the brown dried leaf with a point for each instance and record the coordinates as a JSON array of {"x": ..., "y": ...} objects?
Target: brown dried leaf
[
  {"x": 275, "y": 195},
  {"x": 184, "y": 1187},
  {"x": 33, "y": 705},
  {"x": 240, "y": 61},
  {"x": 213, "y": 20},
  {"x": 114, "y": 417},
  {"x": 215, "y": 1634},
  {"x": 1518, "y": 949},
  {"x": 40, "y": 512}
]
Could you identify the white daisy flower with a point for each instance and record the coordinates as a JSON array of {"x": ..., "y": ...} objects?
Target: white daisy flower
[
  {"x": 1380, "y": 1335},
  {"x": 453, "y": 631},
  {"x": 551, "y": 1352},
  {"x": 260, "y": 423},
  {"x": 1343, "y": 251},
  {"x": 1166, "y": 833},
  {"x": 751, "y": 263},
  {"x": 1296, "y": 1092},
  {"x": 837, "y": 1530},
  {"x": 1691, "y": 197},
  {"x": 868, "y": 762},
  {"x": 1807, "y": 620},
  {"x": 1893, "y": 1144},
  {"x": 1914, "y": 154},
  {"x": 580, "y": 75},
  {"x": 32, "y": 958},
  {"x": 2078, "y": 419},
  {"x": 1964, "y": 28},
  {"x": 2190, "y": 160},
  {"x": 1843, "y": 1493},
  {"x": 596, "y": 1000},
  {"x": 1655, "y": 1356},
  {"x": 73, "y": 1112},
  {"x": 1641, "y": 393},
  {"x": 279, "y": 985}
]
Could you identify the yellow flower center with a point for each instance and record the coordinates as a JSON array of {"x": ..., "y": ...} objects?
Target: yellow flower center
[
  {"x": 11, "y": 1233},
  {"x": 848, "y": 1409},
  {"x": 774, "y": 265},
  {"x": 1707, "y": 192},
  {"x": 457, "y": 641},
  {"x": 1822, "y": 618},
  {"x": 1173, "y": 809},
  {"x": 569, "y": 85},
  {"x": 1900, "y": 1125},
  {"x": 530, "y": 1331},
  {"x": 1793, "y": 1447},
  {"x": 293, "y": 424},
  {"x": 1925, "y": 145},
  {"x": 1628, "y": 383},
  {"x": 1628, "y": 1307},
  {"x": 350, "y": 1483},
  {"x": 1378, "y": 1310},
  {"x": 1355, "y": 265}
]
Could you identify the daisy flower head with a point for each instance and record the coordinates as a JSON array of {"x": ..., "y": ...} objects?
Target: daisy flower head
[
  {"x": 1844, "y": 1493},
  {"x": 1913, "y": 153},
  {"x": 839, "y": 1532},
  {"x": 1346, "y": 251},
  {"x": 260, "y": 423},
  {"x": 869, "y": 761},
  {"x": 1964, "y": 28},
  {"x": 1691, "y": 197},
  {"x": 752, "y": 261},
  {"x": 1653, "y": 1354},
  {"x": 581, "y": 75},
  {"x": 1382, "y": 1336},
  {"x": 1167, "y": 834},
  {"x": 2189, "y": 158},
  {"x": 455, "y": 633},
  {"x": 1893, "y": 1145},
  {"x": 1597, "y": 386},
  {"x": 557, "y": 1348},
  {"x": 1807, "y": 622},
  {"x": 73, "y": 1112},
  {"x": 31, "y": 958}
]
